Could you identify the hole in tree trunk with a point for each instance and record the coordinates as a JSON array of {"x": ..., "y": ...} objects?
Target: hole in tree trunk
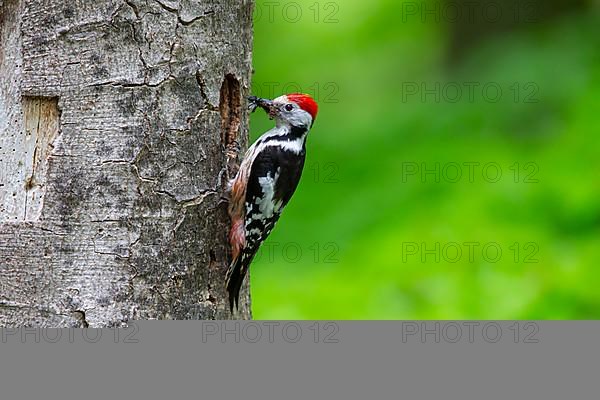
[
  {"x": 41, "y": 122},
  {"x": 230, "y": 109},
  {"x": 30, "y": 155}
]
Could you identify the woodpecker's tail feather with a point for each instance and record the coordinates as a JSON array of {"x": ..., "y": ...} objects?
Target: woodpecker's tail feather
[{"x": 235, "y": 278}]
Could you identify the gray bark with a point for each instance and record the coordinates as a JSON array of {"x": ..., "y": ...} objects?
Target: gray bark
[{"x": 120, "y": 121}]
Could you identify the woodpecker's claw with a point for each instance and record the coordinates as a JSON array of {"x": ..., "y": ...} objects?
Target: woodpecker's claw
[{"x": 223, "y": 200}]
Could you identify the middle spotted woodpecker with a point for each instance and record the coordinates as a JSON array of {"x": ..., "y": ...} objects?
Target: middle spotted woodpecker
[{"x": 266, "y": 180}]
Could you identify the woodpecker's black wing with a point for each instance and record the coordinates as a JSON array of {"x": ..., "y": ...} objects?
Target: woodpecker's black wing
[{"x": 273, "y": 179}]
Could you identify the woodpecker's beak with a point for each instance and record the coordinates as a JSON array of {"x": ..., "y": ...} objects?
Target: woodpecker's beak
[{"x": 265, "y": 104}]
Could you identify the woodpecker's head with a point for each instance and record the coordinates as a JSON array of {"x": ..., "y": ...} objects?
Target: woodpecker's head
[{"x": 296, "y": 109}]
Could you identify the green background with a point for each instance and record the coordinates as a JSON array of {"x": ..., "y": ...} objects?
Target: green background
[{"x": 382, "y": 225}]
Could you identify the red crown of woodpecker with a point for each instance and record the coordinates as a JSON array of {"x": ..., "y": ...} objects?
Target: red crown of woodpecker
[{"x": 305, "y": 102}]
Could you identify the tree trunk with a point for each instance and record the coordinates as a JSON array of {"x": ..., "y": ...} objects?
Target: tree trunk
[{"x": 120, "y": 121}]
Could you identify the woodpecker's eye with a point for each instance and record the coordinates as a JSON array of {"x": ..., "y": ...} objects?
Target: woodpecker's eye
[{"x": 289, "y": 107}]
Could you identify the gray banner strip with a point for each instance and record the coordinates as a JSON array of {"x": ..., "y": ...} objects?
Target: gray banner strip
[{"x": 305, "y": 360}]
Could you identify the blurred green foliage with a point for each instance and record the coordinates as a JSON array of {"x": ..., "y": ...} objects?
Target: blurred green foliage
[{"x": 345, "y": 246}]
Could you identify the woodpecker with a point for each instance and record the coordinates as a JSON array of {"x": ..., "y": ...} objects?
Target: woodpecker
[{"x": 267, "y": 179}]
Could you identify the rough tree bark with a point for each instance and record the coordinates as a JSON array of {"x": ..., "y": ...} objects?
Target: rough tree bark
[{"x": 118, "y": 120}]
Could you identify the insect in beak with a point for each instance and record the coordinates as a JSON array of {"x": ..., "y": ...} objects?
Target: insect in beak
[{"x": 266, "y": 104}]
